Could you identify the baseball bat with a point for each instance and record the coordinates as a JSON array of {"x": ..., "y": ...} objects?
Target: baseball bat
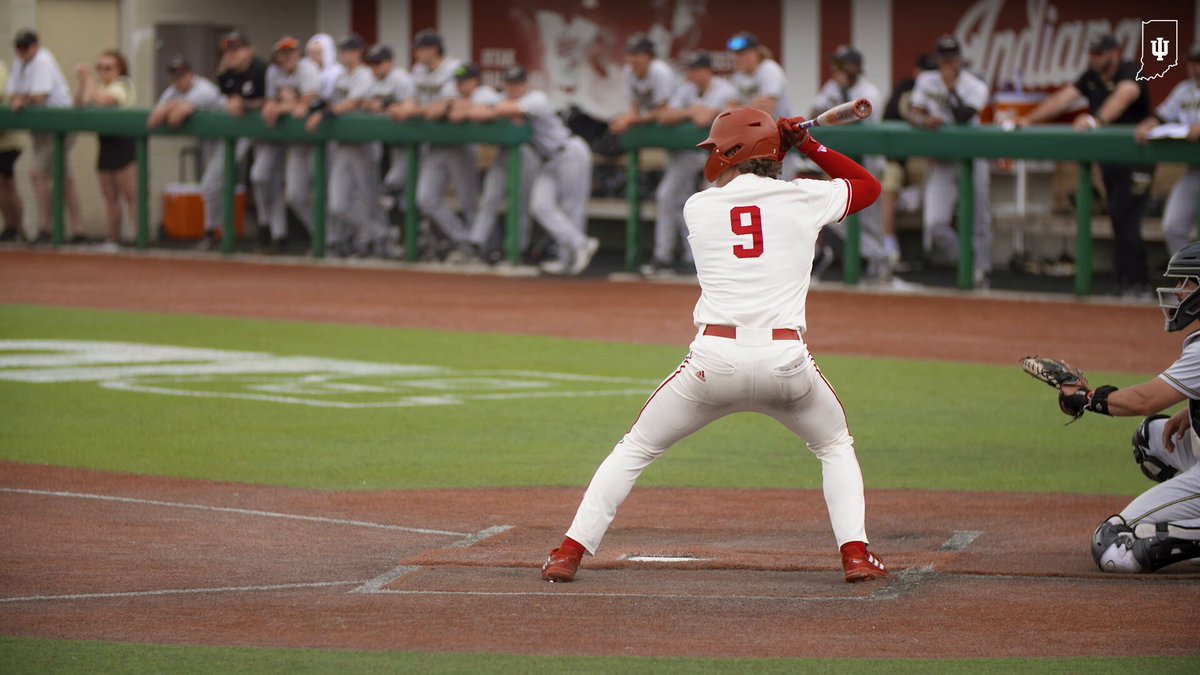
[{"x": 846, "y": 113}]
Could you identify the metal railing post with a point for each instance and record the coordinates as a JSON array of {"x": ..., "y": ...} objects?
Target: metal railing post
[
  {"x": 966, "y": 230},
  {"x": 320, "y": 192},
  {"x": 58, "y": 173},
  {"x": 412, "y": 219},
  {"x": 633, "y": 225},
  {"x": 142, "y": 144},
  {"x": 228, "y": 178},
  {"x": 512, "y": 219},
  {"x": 1083, "y": 230}
]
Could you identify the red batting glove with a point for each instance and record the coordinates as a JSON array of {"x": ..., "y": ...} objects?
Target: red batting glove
[{"x": 792, "y": 136}]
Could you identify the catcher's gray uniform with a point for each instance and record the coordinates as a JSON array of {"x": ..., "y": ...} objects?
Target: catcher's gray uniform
[
  {"x": 1181, "y": 107},
  {"x": 442, "y": 163},
  {"x": 267, "y": 173},
  {"x": 356, "y": 218},
  {"x": 495, "y": 183},
  {"x": 941, "y": 180},
  {"x": 558, "y": 200},
  {"x": 394, "y": 87},
  {"x": 683, "y": 172}
]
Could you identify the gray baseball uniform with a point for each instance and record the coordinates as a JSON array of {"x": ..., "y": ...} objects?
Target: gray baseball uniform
[
  {"x": 1181, "y": 107},
  {"x": 394, "y": 87},
  {"x": 683, "y": 172},
  {"x": 204, "y": 95},
  {"x": 558, "y": 199},
  {"x": 495, "y": 182},
  {"x": 651, "y": 90},
  {"x": 269, "y": 172},
  {"x": 356, "y": 218},
  {"x": 832, "y": 94},
  {"x": 941, "y": 180},
  {"x": 445, "y": 163}
]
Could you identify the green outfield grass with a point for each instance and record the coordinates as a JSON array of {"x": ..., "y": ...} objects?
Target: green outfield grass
[
  {"x": 44, "y": 656},
  {"x": 917, "y": 424}
]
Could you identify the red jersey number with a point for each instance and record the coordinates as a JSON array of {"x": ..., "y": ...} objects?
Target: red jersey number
[{"x": 747, "y": 220}]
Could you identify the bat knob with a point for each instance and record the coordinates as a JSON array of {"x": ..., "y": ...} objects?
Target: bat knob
[{"x": 862, "y": 108}]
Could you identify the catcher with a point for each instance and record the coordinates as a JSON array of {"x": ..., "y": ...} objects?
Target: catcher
[{"x": 1162, "y": 525}]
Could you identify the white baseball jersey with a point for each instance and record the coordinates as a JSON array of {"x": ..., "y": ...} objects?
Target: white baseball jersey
[
  {"x": 767, "y": 79},
  {"x": 719, "y": 95},
  {"x": 396, "y": 86},
  {"x": 652, "y": 90},
  {"x": 930, "y": 93},
  {"x": 485, "y": 95},
  {"x": 354, "y": 85},
  {"x": 754, "y": 240},
  {"x": 305, "y": 79},
  {"x": 437, "y": 84},
  {"x": 549, "y": 134},
  {"x": 1182, "y": 105},
  {"x": 41, "y": 76},
  {"x": 832, "y": 94},
  {"x": 202, "y": 95}
]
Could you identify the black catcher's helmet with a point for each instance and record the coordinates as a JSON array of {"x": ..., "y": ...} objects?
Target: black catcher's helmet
[{"x": 1181, "y": 303}]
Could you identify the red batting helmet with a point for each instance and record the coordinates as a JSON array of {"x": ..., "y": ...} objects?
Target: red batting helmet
[{"x": 739, "y": 135}]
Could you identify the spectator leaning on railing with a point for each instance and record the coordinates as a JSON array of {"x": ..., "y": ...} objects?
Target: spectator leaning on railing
[
  {"x": 10, "y": 148},
  {"x": 649, "y": 84},
  {"x": 37, "y": 82},
  {"x": 392, "y": 86},
  {"x": 111, "y": 88}
]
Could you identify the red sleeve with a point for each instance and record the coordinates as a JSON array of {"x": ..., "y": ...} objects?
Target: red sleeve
[{"x": 864, "y": 188}]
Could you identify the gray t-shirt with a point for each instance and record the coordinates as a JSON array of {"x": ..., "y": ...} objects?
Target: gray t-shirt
[
  {"x": 547, "y": 129},
  {"x": 766, "y": 80},
  {"x": 304, "y": 80},
  {"x": 719, "y": 95},
  {"x": 1182, "y": 105},
  {"x": 202, "y": 95},
  {"x": 354, "y": 86},
  {"x": 652, "y": 90},
  {"x": 437, "y": 84},
  {"x": 396, "y": 86},
  {"x": 930, "y": 92}
]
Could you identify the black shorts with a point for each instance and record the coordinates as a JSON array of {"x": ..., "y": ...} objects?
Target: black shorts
[
  {"x": 7, "y": 159},
  {"x": 116, "y": 153}
]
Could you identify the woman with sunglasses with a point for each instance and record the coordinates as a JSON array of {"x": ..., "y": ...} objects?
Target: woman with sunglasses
[{"x": 111, "y": 88}]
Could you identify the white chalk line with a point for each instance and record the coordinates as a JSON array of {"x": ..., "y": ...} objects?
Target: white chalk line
[
  {"x": 180, "y": 591},
  {"x": 959, "y": 541},
  {"x": 229, "y": 509},
  {"x": 377, "y": 584}
]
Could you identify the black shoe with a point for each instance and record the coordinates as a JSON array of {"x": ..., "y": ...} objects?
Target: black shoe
[
  {"x": 10, "y": 234},
  {"x": 79, "y": 239},
  {"x": 273, "y": 247},
  {"x": 41, "y": 239},
  {"x": 208, "y": 243}
]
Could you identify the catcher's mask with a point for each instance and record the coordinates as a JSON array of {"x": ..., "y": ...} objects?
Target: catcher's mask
[
  {"x": 1181, "y": 303},
  {"x": 739, "y": 135}
]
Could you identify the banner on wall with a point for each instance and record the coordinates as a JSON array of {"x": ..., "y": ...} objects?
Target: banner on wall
[
  {"x": 574, "y": 50},
  {"x": 1031, "y": 44}
]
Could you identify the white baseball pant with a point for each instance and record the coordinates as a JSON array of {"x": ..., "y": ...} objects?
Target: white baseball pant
[
  {"x": 722, "y": 376},
  {"x": 1179, "y": 216},
  {"x": 354, "y": 189},
  {"x": 266, "y": 178},
  {"x": 495, "y": 195},
  {"x": 558, "y": 199},
  {"x": 1176, "y": 500},
  {"x": 211, "y": 181},
  {"x": 393, "y": 180},
  {"x": 941, "y": 195},
  {"x": 455, "y": 164},
  {"x": 679, "y": 181},
  {"x": 298, "y": 182}
]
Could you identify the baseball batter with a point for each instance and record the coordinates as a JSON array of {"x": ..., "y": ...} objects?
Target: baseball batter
[
  {"x": 563, "y": 183},
  {"x": 698, "y": 101},
  {"x": 1162, "y": 525},
  {"x": 1181, "y": 107},
  {"x": 754, "y": 238},
  {"x": 291, "y": 87},
  {"x": 951, "y": 95}
]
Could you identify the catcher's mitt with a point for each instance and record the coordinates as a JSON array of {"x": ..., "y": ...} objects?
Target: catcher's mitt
[{"x": 1058, "y": 374}]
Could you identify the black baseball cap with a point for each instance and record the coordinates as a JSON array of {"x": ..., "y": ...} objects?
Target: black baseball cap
[
  {"x": 515, "y": 74},
  {"x": 700, "y": 60},
  {"x": 846, "y": 54},
  {"x": 946, "y": 46},
  {"x": 379, "y": 54},
  {"x": 178, "y": 65},
  {"x": 428, "y": 38},
  {"x": 233, "y": 40},
  {"x": 1194, "y": 53},
  {"x": 467, "y": 71},
  {"x": 742, "y": 41},
  {"x": 25, "y": 38},
  {"x": 1102, "y": 43},
  {"x": 352, "y": 42},
  {"x": 639, "y": 43},
  {"x": 926, "y": 62}
]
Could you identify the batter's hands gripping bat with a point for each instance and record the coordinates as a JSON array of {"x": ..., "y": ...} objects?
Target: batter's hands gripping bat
[{"x": 846, "y": 113}]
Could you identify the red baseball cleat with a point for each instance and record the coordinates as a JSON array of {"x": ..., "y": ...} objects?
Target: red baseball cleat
[
  {"x": 561, "y": 565},
  {"x": 860, "y": 564}
]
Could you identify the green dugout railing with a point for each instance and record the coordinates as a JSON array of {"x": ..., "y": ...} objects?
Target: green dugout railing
[
  {"x": 220, "y": 126},
  {"x": 897, "y": 139}
]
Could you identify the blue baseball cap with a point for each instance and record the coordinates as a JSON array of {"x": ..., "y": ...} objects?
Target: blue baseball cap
[{"x": 742, "y": 41}]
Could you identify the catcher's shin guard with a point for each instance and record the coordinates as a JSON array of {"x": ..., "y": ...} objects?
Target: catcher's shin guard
[
  {"x": 1154, "y": 468},
  {"x": 1155, "y": 547}
]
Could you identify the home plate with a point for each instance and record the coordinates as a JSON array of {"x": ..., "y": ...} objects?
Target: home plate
[{"x": 664, "y": 558}]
